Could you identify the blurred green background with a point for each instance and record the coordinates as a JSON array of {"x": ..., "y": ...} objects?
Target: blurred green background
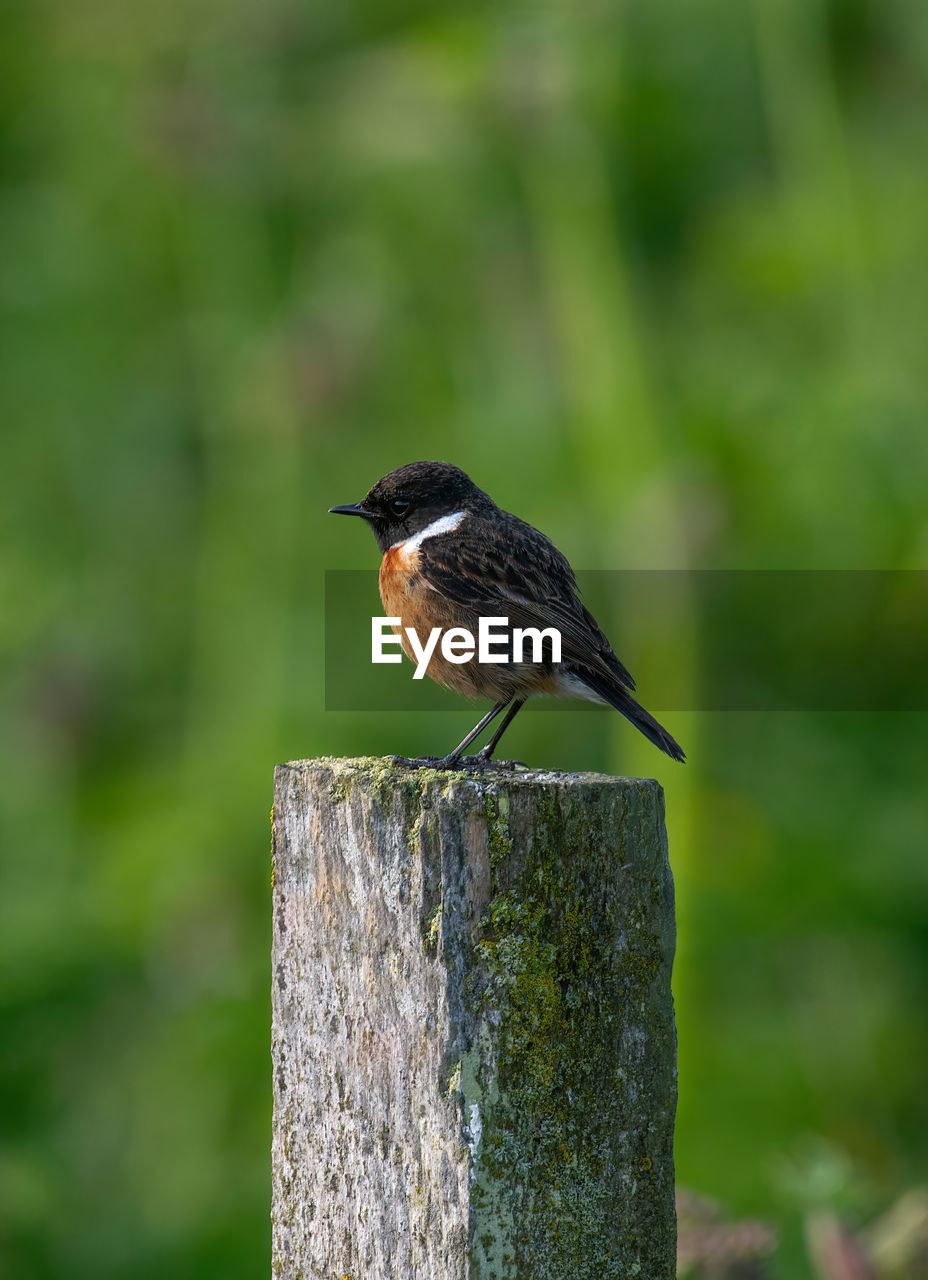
[{"x": 655, "y": 274}]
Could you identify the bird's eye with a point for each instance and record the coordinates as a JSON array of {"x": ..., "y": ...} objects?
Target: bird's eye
[{"x": 399, "y": 506}]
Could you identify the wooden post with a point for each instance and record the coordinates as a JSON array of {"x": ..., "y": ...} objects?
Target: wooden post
[{"x": 473, "y": 1040}]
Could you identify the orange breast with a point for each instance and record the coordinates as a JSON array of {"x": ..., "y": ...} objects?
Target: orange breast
[
  {"x": 406, "y": 595},
  {"x": 400, "y": 588},
  {"x": 397, "y": 569}
]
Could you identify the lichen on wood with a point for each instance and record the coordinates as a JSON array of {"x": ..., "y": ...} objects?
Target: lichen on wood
[{"x": 474, "y": 1050}]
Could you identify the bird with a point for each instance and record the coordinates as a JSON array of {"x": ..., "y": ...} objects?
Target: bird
[{"x": 451, "y": 556}]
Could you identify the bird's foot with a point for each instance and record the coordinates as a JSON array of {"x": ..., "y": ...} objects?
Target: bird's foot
[
  {"x": 477, "y": 763},
  {"x": 421, "y": 762},
  {"x": 444, "y": 763}
]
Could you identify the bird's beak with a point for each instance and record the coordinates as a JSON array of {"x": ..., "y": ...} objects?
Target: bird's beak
[{"x": 351, "y": 509}]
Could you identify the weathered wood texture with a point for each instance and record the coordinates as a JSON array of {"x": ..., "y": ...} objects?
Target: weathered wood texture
[{"x": 473, "y": 1039}]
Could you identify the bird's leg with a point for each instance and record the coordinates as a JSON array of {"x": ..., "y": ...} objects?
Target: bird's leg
[
  {"x": 485, "y": 752},
  {"x": 451, "y": 761}
]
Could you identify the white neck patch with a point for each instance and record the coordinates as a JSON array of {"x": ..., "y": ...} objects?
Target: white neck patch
[{"x": 444, "y": 524}]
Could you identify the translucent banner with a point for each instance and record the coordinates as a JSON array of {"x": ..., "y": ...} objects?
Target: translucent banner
[{"x": 703, "y": 640}]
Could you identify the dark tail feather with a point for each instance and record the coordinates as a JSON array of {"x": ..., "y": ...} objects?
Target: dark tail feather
[{"x": 607, "y": 687}]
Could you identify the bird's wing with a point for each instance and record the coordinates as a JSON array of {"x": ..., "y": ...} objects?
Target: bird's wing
[{"x": 525, "y": 577}]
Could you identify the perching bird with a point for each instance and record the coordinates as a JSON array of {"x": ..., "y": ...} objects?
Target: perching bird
[{"x": 450, "y": 557}]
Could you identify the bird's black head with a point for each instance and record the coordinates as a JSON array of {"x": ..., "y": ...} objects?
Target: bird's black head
[{"x": 409, "y": 499}]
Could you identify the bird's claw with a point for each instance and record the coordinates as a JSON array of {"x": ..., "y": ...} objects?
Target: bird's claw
[{"x": 477, "y": 763}]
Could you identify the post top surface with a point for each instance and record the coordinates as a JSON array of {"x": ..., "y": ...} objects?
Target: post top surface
[{"x": 382, "y": 768}]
